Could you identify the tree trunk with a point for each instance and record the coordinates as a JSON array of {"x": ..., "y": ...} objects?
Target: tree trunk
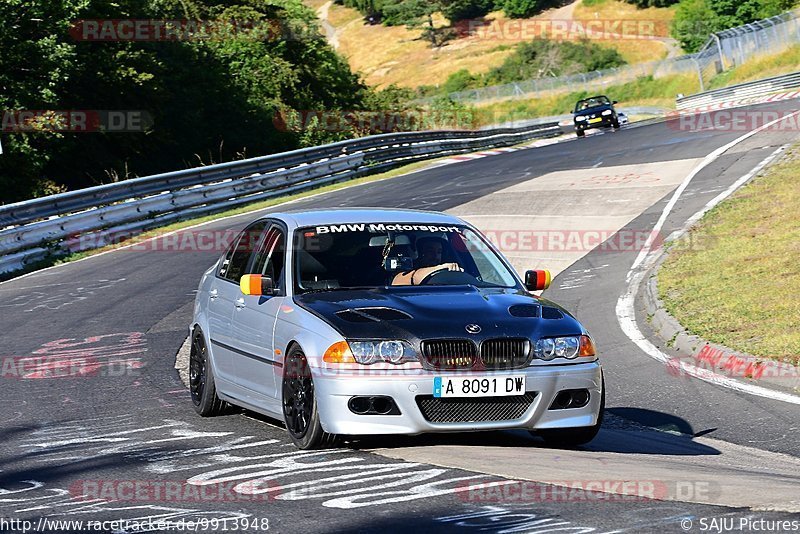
[{"x": 431, "y": 30}]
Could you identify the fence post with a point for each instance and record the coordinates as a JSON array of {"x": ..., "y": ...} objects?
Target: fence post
[
  {"x": 719, "y": 50},
  {"x": 699, "y": 74}
]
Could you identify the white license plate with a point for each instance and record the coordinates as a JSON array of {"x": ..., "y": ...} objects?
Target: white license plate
[{"x": 478, "y": 386}]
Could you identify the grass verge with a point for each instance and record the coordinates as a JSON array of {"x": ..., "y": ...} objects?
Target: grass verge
[
  {"x": 757, "y": 69},
  {"x": 742, "y": 289}
]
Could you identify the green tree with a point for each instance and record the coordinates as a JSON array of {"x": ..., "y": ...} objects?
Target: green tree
[
  {"x": 211, "y": 99},
  {"x": 522, "y": 8},
  {"x": 456, "y": 10},
  {"x": 694, "y": 21},
  {"x": 542, "y": 58},
  {"x": 415, "y": 14}
]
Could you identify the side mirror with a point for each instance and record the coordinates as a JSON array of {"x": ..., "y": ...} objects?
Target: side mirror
[
  {"x": 257, "y": 285},
  {"x": 537, "y": 280},
  {"x": 614, "y": 102}
]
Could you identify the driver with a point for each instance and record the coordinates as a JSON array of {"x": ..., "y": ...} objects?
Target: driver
[{"x": 429, "y": 250}]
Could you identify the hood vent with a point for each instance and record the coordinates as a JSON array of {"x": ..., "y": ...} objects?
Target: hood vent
[
  {"x": 551, "y": 313},
  {"x": 524, "y": 310},
  {"x": 367, "y": 315}
]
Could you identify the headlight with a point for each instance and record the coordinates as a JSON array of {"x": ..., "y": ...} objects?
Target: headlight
[
  {"x": 569, "y": 347},
  {"x": 392, "y": 351},
  {"x": 606, "y": 112},
  {"x": 580, "y": 118}
]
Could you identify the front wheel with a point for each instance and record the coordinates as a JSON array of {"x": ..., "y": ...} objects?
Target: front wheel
[
  {"x": 300, "y": 411},
  {"x": 572, "y": 437},
  {"x": 201, "y": 379},
  {"x": 580, "y": 133}
]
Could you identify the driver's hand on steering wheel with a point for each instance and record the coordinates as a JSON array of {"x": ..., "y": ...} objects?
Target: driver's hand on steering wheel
[{"x": 451, "y": 267}]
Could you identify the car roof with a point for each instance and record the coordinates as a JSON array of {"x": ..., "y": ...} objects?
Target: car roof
[{"x": 317, "y": 217}]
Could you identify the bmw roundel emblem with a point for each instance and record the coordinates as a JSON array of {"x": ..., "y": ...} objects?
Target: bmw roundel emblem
[{"x": 473, "y": 329}]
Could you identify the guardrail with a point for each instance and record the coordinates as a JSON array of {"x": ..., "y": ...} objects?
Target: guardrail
[
  {"x": 740, "y": 91},
  {"x": 95, "y": 216},
  {"x": 567, "y": 118}
]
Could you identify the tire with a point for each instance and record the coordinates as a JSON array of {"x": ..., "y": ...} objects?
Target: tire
[
  {"x": 300, "y": 411},
  {"x": 573, "y": 437},
  {"x": 201, "y": 379},
  {"x": 580, "y": 133},
  {"x": 615, "y": 124}
]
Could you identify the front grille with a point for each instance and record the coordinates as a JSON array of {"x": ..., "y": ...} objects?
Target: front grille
[
  {"x": 449, "y": 353},
  {"x": 474, "y": 410},
  {"x": 505, "y": 353}
]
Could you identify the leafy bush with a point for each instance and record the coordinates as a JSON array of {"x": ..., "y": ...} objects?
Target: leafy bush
[
  {"x": 460, "y": 80},
  {"x": 543, "y": 58},
  {"x": 521, "y": 8},
  {"x": 211, "y": 100},
  {"x": 696, "y": 20},
  {"x": 456, "y": 10}
]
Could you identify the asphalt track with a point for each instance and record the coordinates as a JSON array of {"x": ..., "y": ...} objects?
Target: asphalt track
[{"x": 122, "y": 316}]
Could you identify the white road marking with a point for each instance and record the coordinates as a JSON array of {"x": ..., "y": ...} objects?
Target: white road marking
[
  {"x": 626, "y": 314},
  {"x": 708, "y": 160}
]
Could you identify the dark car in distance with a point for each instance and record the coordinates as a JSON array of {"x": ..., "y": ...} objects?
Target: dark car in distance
[{"x": 595, "y": 112}]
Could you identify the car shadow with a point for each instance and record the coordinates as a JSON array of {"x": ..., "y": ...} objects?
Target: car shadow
[{"x": 634, "y": 433}]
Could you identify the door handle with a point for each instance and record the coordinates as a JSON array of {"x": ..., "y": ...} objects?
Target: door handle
[
  {"x": 239, "y": 303},
  {"x": 213, "y": 294}
]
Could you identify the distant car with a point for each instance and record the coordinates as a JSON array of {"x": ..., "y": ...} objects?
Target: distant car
[
  {"x": 622, "y": 118},
  {"x": 594, "y": 112},
  {"x": 356, "y": 322}
]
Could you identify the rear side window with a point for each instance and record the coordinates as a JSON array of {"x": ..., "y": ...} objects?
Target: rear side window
[{"x": 236, "y": 260}]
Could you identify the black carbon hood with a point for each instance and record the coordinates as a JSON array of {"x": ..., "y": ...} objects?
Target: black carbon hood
[{"x": 414, "y": 313}]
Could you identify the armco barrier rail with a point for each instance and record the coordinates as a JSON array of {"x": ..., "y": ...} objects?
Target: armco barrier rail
[
  {"x": 740, "y": 91},
  {"x": 89, "y": 218}
]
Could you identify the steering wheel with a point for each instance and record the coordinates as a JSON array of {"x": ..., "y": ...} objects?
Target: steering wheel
[{"x": 447, "y": 277}]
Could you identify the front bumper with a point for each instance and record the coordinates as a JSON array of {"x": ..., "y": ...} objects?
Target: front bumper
[
  {"x": 333, "y": 393},
  {"x": 605, "y": 121}
]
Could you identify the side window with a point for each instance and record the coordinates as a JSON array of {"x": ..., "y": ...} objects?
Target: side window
[
  {"x": 271, "y": 257},
  {"x": 234, "y": 266}
]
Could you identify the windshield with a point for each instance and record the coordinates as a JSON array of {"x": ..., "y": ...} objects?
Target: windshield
[
  {"x": 592, "y": 102},
  {"x": 374, "y": 255}
]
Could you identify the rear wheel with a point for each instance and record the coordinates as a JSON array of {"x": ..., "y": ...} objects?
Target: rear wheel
[
  {"x": 201, "y": 379},
  {"x": 300, "y": 404},
  {"x": 572, "y": 437}
]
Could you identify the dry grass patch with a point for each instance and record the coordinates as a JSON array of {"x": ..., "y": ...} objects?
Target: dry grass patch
[{"x": 386, "y": 55}]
